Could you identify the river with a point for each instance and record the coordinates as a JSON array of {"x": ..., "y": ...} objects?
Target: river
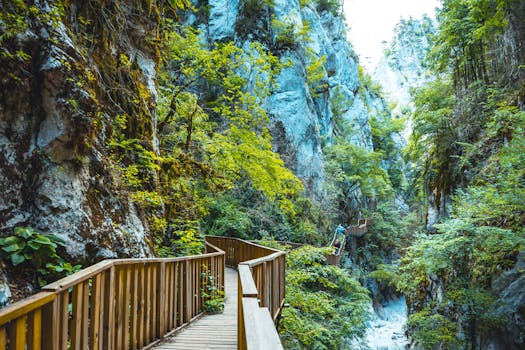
[{"x": 384, "y": 331}]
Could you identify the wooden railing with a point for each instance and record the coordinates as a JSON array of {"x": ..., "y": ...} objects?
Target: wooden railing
[
  {"x": 360, "y": 229},
  {"x": 261, "y": 290},
  {"x": 335, "y": 257},
  {"x": 115, "y": 304}
]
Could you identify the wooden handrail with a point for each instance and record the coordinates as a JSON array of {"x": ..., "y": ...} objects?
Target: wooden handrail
[
  {"x": 335, "y": 257},
  {"x": 361, "y": 228},
  {"x": 261, "y": 290},
  {"x": 115, "y": 304}
]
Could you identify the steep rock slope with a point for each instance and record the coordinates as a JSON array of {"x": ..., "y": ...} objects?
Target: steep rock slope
[
  {"x": 319, "y": 83},
  {"x": 78, "y": 101},
  {"x": 68, "y": 71},
  {"x": 403, "y": 66}
]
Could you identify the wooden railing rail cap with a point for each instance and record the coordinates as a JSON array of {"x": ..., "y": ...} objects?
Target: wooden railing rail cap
[
  {"x": 77, "y": 277},
  {"x": 25, "y": 306},
  {"x": 258, "y": 261},
  {"x": 218, "y": 250},
  {"x": 246, "y": 280},
  {"x": 245, "y": 241},
  {"x": 264, "y": 336},
  {"x": 93, "y": 270}
]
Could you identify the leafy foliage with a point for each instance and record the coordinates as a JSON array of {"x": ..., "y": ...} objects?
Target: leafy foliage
[
  {"x": 30, "y": 248},
  {"x": 214, "y": 142},
  {"x": 467, "y": 152},
  {"x": 327, "y": 306},
  {"x": 212, "y": 295},
  {"x": 333, "y": 6}
]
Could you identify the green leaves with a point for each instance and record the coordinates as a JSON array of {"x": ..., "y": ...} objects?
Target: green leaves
[
  {"x": 213, "y": 141},
  {"x": 464, "y": 259},
  {"x": 353, "y": 167},
  {"x": 431, "y": 330},
  {"x": 327, "y": 305},
  {"x": 17, "y": 259},
  {"x": 29, "y": 246}
]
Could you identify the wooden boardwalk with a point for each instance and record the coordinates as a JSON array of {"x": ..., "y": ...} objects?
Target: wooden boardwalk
[{"x": 212, "y": 331}]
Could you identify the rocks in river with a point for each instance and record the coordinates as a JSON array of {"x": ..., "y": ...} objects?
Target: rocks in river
[{"x": 385, "y": 329}]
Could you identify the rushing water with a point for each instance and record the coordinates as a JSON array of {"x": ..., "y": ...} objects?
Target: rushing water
[{"x": 385, "y": 330}]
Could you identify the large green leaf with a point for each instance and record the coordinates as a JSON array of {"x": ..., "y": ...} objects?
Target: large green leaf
[
  {"x": 34, "y": 245},
  {"x": 17, "y": 259},
  {"x": 43, "y": 240},
  {"x": 16, "y": 247},
  {"x": 24, "y": 232},
  {"x": 57, "y": 239},
  {"x": 9, "y": 240}
]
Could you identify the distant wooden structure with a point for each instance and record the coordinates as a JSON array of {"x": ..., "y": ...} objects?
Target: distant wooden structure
[
  {"x": 335, "y": 257},
  {"x": 360, "y": 229}
]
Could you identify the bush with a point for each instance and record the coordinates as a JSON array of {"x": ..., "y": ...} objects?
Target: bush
[
  {"x": 327, "y": 305},
  {"x": 333, "y": 6},
  {"x": 212, "y": 295},
  {"x": 38, "y": 251}
]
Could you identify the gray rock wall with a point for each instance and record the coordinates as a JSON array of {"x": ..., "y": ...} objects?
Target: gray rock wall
[
  {"x": 54, "y": 173},
  {"x": 302, "y": 116}
]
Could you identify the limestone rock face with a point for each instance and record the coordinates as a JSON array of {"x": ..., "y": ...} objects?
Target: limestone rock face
[
  {"x": 402, "y": 66},
  {"x": 302, "y": 113},
  {"x": 401, "y": 69},
  {"x": 221, "y": 21},
  {"x": 510, "y": 286},
  {"x": 54, "y": 173}
]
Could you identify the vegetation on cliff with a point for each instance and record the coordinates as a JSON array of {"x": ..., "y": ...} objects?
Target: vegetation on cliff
[{"x": 467, "y": 150}]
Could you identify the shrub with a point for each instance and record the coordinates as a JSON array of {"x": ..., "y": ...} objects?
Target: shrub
[
  {"x": 38, "y": 251},
  {"x": 212, "y": 295}
]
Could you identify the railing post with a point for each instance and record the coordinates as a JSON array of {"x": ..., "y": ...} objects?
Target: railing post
[
  {"x": 50, "y": 326},
  {"x": 264, "y": 286},
  {"x": 187, "y": 292},
  {"x": 161, "y": 298},
  {"x": 109, "y": 308},
  {"x": 140, "y": 305},
  {"x": 97, "y": 290}
]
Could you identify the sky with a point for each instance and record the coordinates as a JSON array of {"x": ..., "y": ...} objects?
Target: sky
[{"x": 371, "y": 22}]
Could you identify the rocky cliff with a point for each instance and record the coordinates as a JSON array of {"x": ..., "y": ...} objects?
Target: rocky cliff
[
  {"x": 403, "y": 65},
  {"x": 68, "y": 71},
  {"x": 78, "y": 108},
  {"x": 73, "y": 72},
  {"x": 403, "y": 68},
  {"x": 319, "y": 83}
]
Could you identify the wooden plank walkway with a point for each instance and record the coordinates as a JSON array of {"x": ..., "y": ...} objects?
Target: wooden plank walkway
[{"x": 212, "y": 331}]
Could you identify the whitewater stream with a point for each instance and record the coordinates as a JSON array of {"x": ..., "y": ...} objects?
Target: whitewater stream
[{"x": 385, "y": 329}]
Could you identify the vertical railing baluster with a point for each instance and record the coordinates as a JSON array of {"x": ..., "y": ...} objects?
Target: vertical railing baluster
[
  {"x": 109, "y": 308},
  {"x": 76, "y": 321},
  {"x": 126, "y": 306},
  {"x": 134, "y": 306},
  {"x": 161, "y": 298},
  {"x": 141, "y": 305},
  {"x": 96, "y": 291}
]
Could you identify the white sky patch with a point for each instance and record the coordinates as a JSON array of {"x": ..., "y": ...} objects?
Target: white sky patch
[{"x": 371, "y": 22}]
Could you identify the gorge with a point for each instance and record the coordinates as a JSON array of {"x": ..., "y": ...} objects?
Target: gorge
[{"x": 133, "y": 128}]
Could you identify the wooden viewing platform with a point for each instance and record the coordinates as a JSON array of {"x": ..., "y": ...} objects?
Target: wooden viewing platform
[
  {"x": 360, "y": 229},
  {"x": 140, "y": 303},
  {"x": 213, "y": 331}
]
